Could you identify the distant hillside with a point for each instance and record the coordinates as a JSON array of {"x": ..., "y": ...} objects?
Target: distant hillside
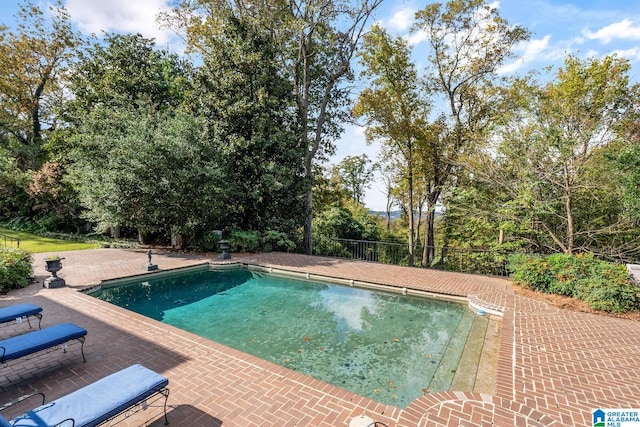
[{"x": 394, "y": 214}]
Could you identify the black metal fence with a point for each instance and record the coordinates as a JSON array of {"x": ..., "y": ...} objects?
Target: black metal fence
[
  {"x": 9, "y": 241},
  {"x": 466, "y": 260}
]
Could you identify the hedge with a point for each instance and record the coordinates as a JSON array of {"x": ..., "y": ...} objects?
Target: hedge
[
  {"x": 603, "y": 285},
  {"x": 15, "y": 268}
]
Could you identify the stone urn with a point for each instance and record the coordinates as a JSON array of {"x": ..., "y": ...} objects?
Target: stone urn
[
  {"x": 53, "y": 265},
  {"x": 224, "y": 247}
]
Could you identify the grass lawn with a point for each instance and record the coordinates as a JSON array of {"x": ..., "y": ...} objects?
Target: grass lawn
[{"x": 36, "y": 244}]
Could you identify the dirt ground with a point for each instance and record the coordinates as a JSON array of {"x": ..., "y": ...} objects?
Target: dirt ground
[{"x": 571, "y": 303}]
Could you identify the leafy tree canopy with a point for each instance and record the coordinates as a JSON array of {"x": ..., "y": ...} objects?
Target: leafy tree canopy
[{"x": 34, "y": 59}]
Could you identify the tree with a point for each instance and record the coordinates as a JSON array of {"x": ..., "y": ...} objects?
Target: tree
[
  {"x": 33, "y": 60},
  {"x": 553, "y": 157},
  {"x": 328, "y": 189},
  {"x": 246, "y": 102},
  {"x": 327, "y": 37},
  {"x": 316, "y": 42},
  {"x": 124, "y": 70},
  {"x": 394, "y": 107},
  {"x": 128, "y": 168},
  {"x": 356, "y": 177},
  {"x": 468, "y": 42},
  {"x": 629, "y": 163},
  {"x": 53, "y": 199},
  {"x": 628, "y": 160},
  {"x": 110, "y": 79},
  {"x": 14, "y": 184}
]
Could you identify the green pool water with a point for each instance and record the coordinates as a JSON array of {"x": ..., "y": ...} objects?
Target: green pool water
[{"x": 385, "y": 346}]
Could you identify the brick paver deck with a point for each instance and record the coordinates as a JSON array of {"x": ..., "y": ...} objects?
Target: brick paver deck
[{"x": 554, "y": 365}]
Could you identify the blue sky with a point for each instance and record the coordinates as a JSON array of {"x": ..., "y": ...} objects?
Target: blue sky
[{"x": 585, "y": 28}]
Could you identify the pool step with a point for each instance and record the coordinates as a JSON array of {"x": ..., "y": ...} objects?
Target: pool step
[
  {"x": 488, "y": 366},
  {"x": 465, "y": 377},
  {"x": 447, "y": 368}
]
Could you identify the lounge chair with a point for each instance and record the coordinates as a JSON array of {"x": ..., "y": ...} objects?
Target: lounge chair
[
  {"x": 18, "y": 311},
  {"x": 97, "y": 402},
  {"x": 32, "y": 342}
]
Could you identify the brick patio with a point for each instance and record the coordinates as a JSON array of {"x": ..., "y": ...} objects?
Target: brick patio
[{"x": 554, "y": 365}]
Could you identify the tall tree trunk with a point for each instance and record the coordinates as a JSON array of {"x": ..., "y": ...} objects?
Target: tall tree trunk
[
  {"x": 569, "y": 212},
  {"x": 302, "y": 76},
  {"x": 418, "y": 225},
  {"x": 410, "y": 213},
  {"x": 389, "y": 205},
  {"x": 428, "y": 251},
  {"x": 307, "y": 240}
]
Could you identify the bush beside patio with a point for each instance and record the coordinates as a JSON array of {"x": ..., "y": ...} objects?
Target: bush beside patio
[
  {"x": 15, "y": 268},
  {"x": 602, "y": 285}
]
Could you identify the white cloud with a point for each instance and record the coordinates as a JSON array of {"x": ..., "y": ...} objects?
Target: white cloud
[
  {"x": 632, "y": 54},
  {"x": 401, "y": 20},
  {"x": 591, "y": 54},
  {"x": 126, "y": 16},
  {"x": 531, "y": 51},
  {"x": 536, "y": 46},
  {"x": 620, "y": 30},
  {"x": 417, "y": 37}
]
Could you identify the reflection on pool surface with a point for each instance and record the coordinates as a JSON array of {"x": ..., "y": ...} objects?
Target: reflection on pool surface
[{"x": 381, "y": 345}]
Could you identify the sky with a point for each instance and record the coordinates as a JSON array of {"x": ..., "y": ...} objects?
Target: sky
[{"x": 584, "y": 28}]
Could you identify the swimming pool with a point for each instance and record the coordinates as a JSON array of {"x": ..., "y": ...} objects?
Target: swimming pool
[{"x": 386, "y": 346}]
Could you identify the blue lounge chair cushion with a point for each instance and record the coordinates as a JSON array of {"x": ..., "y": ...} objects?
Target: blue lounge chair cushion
[
  {"x": 98, "y": 401},
  {"x": 4, "y": 422},
  {"x": 12, "y": 312},
  {"x": 31, "y": 342}
]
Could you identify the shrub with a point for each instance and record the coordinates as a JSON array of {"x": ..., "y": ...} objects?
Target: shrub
[
  {"x": 206, "y": 242},
  {"x": 603, "y": 285},
  {"x": 609, "y": 289},
  {"x": 244, "y": 241},
  {"x": 15, "y": 268},
  {"x": 531, "y": 272},
  {"x": 273, "y": 240}
]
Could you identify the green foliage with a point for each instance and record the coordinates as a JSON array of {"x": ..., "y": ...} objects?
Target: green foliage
[
  {"x": 15, "y": 268},
  {"x": 14, "y": 184},
  {"x": 394, "y": 108},
  {"x": 244, "y": 241},
  {"x": 337, "y": 222},
  {"x": 603, "y": 285},
  {"x": 54, "y": 201},
  {"x": 478, "y": 261},
  {"x": 247, "y": 106},
  {"x": 124, "y": 70},
  {"x": 255, "y": 241},
  {"x": 547, "y": 177},
  {"x": 273, "y": 240},
  {"x": 33, "y": 57},
  {"x": 150, "y": 170},
  {"x": 206, "y": 242},
  {"x": 628, "y": 161},
  {"x": 356, "y": 176},
  {"x": 327, "y": 188}
]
